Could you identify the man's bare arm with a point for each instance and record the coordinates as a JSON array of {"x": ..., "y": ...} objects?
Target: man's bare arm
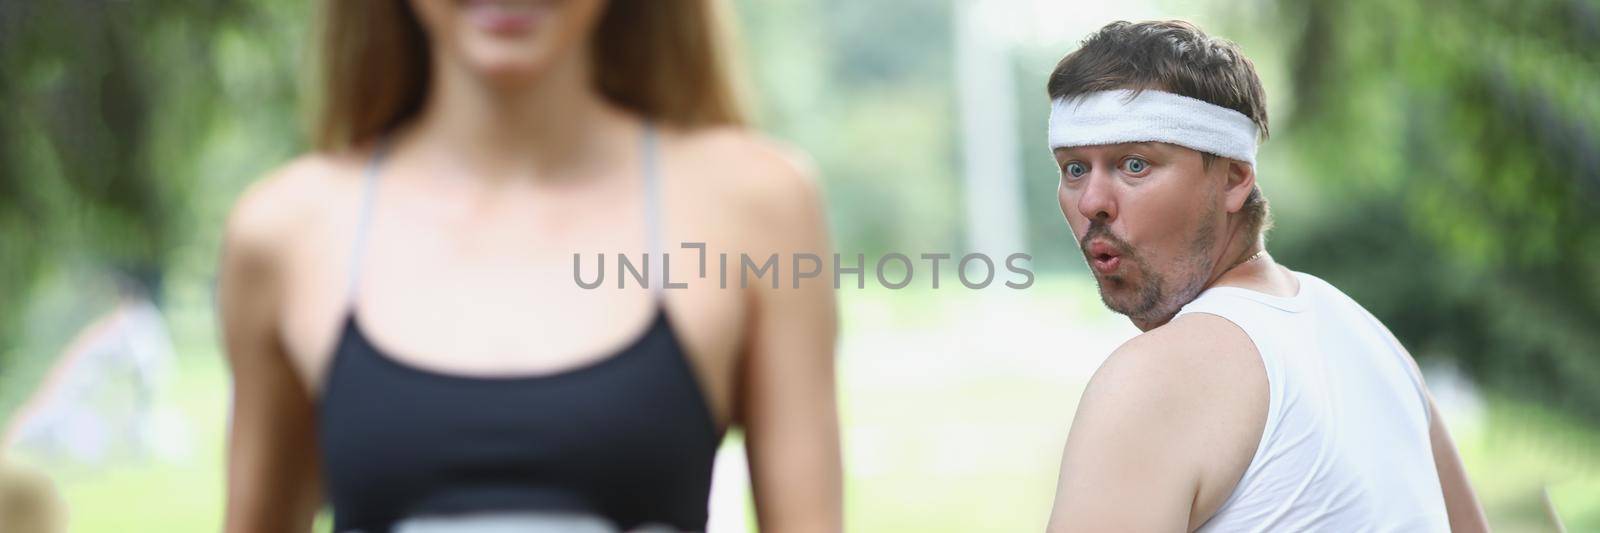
[
  {"x": 1459, "y": 501},
  {"x": 1163, "y": 431}
]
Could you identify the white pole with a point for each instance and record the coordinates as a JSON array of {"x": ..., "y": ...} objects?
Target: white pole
[{"x": 987, "y": 100}]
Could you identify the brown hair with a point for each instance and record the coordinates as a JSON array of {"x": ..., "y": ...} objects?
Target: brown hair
[
  {"x": 1172, "y": 56},
  {"x": 663, "y": 61}
]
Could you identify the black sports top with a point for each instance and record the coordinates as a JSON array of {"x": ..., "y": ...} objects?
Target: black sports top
[{"x": 628, "y": 437}]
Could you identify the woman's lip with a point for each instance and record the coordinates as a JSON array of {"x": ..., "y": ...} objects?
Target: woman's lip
[{"x": 503, "y": 18}]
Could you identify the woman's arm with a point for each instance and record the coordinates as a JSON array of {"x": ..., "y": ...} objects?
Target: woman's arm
[
  {"x": 787, "y": 398},
  {"x": 272, "y": 467}
]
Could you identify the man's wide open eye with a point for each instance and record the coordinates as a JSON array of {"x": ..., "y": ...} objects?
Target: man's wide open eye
[
  {"x": 1075, "y": 169},
  {"x": 1134, "y": 165}
]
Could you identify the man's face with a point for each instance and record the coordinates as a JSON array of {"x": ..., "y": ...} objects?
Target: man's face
[{"x": 1148, "y": 218}]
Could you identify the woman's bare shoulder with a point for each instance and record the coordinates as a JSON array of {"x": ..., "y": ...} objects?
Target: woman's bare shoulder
[
  {"x": 289, "y": 200},
  {"x": 748, "y": 156},
  {"x": 769, "y": 182}
]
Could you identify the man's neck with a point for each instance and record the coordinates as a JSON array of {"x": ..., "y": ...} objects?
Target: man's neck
[
  {"x": 1249, "y": 266},
  {"x": 1246, "y": 265},
  {"x": 1263, "y": 275}
]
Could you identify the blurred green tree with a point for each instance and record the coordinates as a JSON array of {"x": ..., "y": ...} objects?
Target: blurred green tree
[
  {"x": 111, "y": 111},
  {"x": 868, "y": 89},
  {"x": 1456, "y": 149}
]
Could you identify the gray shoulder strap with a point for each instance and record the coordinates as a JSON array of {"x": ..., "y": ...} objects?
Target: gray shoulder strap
[
  {"x": 369, "y": 186},
  {"x": 652, "y": 207}
]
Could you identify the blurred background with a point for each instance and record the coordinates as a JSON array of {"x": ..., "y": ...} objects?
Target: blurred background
[{"x": 1438, "y": 161}]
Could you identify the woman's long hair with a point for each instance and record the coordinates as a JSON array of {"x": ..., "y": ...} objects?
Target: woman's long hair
[{"x": 663, "y": 60}]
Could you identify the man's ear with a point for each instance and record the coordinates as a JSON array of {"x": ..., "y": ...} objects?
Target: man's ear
[{"x": 1241, "y": 179}]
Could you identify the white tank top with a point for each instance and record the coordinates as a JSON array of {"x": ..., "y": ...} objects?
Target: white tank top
[{"x": 1346, "y": 445}]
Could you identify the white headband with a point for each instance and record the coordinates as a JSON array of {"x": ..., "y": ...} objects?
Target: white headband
[{"x": 1114, "y": 117}]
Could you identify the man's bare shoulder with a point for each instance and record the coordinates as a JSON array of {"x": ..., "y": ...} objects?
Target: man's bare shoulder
[
  {"x": 1171, "y": 419},
  {"x": 1192, "y": 353},
  {"x": 1174, "y": 414},
  {"x": 1196, "y": 385}
]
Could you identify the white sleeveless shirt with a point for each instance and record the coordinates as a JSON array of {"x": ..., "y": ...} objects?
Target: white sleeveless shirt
[{"x": 1346, "y": 445}]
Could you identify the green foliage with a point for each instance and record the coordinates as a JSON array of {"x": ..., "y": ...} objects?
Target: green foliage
[
  {"x": 868, "y": 89},
  {"x": 1458, "y": 149},
  {"x": 119, "y": 145}
]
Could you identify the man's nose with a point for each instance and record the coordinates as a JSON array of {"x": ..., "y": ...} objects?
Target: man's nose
[{"x": 1098, "y": 201}]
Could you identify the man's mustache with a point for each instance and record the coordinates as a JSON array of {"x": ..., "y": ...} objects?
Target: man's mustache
[{"x": 1103, "y": 232}]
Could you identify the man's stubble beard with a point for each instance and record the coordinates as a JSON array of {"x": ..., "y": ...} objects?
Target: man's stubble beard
[{"x": 1155, "y": 302}]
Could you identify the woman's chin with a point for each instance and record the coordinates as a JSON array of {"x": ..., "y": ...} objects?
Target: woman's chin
[
  {"x": 509, "y": 70},
  {"x": 509, "y": 74}
]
